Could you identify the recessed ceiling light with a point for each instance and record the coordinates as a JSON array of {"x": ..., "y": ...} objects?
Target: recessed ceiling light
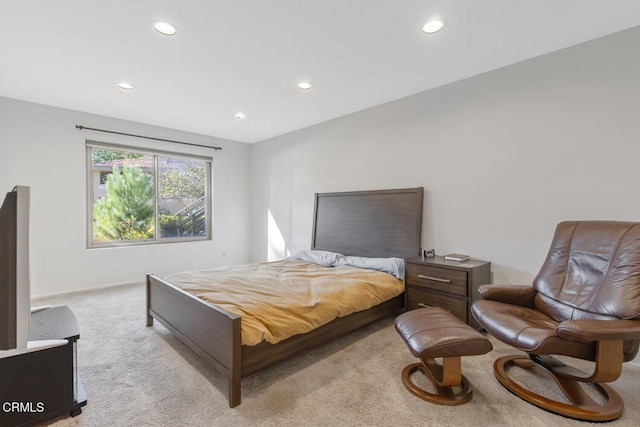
[
  {"x": 304, "y": 85},
  {"x": 125, "y": 86},
  {"x": 433, "y": 26},
  {"x": 241, "y": 116},
  {"x": 165, "y": 28}
]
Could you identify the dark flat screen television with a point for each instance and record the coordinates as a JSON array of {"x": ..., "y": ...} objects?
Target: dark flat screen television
[{"x": 15, "y": 293}]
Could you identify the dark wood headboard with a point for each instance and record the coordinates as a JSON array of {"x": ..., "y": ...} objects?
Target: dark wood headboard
[{"x": 380, "y": 223}]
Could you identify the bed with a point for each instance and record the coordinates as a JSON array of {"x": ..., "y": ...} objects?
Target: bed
[{"x": 377, "y": 224}]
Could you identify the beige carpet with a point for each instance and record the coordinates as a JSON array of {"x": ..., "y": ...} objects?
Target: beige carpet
[{"x": 139, "y": 376}]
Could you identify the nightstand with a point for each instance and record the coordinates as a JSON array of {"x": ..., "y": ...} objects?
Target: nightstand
[{"x": 448, "y": 284}]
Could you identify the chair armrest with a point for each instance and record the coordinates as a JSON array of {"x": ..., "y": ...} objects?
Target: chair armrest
[
  {"x": 522, "y": 296},
  {"x": 599, "y": 330}
]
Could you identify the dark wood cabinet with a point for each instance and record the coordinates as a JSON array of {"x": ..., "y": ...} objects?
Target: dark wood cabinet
[
  {"x": 41, "y": 383},
  {"x": 448, "y": 284}
]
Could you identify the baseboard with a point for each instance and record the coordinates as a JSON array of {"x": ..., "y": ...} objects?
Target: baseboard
[{"x": 85, "y": 290}]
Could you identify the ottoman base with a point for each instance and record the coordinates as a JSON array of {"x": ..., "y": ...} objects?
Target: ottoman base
[{"x": 442, "y": 395}]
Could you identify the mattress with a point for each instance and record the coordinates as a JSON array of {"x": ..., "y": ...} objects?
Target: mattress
[{"x": 284, "y": 298}]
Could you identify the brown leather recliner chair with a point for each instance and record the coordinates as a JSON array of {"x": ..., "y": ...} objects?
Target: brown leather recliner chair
[{"x": 585, "y": 304}]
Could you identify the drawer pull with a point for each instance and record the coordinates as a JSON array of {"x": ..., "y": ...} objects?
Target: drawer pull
[
  {"x": 435, "y": 279},
  {"x": 424, "y": 305}
]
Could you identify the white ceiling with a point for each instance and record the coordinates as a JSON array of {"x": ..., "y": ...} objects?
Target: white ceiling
[{"x": 248, "y": 55}]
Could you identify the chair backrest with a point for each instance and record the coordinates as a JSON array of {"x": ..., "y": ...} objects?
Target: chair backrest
[{"x": 592, "y": 271}]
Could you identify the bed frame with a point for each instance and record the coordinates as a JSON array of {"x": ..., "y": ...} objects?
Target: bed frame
[{"x": 381, "y": 223}]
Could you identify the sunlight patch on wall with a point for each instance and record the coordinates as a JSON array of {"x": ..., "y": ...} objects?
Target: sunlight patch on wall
[{"x": 276, "y": 246}]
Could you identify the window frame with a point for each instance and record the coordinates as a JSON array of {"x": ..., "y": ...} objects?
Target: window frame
[{"x": 91, "y": 144}]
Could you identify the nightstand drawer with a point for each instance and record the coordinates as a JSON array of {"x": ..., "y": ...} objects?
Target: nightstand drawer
[
  {"x": 442, "y": 279},
  {"x": 417, "y": 296}
]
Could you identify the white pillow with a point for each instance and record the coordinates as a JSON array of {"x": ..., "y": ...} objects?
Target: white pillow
[
  {"x": 393, "y": 266},
  {"x": 324, "y": 258}
]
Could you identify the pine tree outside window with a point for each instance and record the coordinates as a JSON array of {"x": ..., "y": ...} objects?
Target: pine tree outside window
[{"x": 140, "y": 197}]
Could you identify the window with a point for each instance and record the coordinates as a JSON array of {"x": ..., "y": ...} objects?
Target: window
[{"x": 139, "y": 196}]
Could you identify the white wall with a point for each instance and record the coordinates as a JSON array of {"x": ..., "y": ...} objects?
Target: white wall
[
  {"x": 503, "y": 157},
  {"x": 40, "y": 147}
]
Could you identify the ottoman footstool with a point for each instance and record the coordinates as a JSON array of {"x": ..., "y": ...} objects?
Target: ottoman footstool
[{"x": 432, "y": 333}]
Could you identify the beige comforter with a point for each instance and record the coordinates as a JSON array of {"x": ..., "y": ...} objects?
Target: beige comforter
[{"x": 280, "y": 299}]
